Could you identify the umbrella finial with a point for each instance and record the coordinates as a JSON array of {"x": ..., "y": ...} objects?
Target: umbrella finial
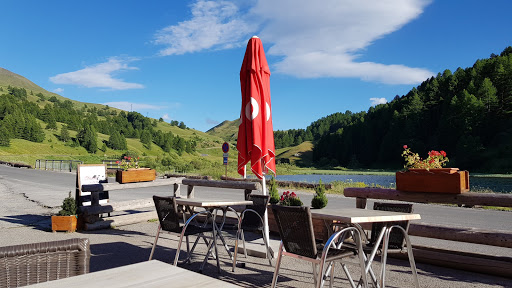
[{"x": 255, "y": 36}]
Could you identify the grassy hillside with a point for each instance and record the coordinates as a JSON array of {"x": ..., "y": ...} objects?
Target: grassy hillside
[
  {"x": 301, "y": 155},
  {"x": 8, "y": 78},
  {"x": 227, "y": 130}
]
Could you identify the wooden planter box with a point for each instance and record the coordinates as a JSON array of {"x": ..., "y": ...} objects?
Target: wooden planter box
[
  {"x": 321, "y": 232},
  {"x": 135, "y": 175},
  {"x": 64, "y": 223},
  {"x": 444, "y": 180}
]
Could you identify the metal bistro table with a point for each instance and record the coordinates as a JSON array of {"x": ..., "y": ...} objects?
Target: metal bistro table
[
  {"x": 356, "y": 216},
  {"x": 215, "y": 204},
  {"x": 152, "y": 273}
]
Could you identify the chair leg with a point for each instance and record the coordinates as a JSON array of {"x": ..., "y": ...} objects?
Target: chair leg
[
  {"x": 179, "y": 248},
  {"x": 236, "y": 249},
  {"x": 384, "y": 257},
  {"x": 269, "y": 257},
  {"x": 278, "y": 264},
  {"x": 243, "y": 243},
  {"x": 331, "y": 283},
  {"x": 154, "y": 244},
  {"x": 316, "y": 275},
  {"x": 411, "y": 256}
]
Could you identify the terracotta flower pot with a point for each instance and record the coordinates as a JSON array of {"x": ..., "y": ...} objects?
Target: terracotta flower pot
[
  {"x": 135, "y": 175},
  {"x": 443, "y": 180}
]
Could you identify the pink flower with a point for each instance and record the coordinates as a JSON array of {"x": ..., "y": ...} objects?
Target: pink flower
[{"x": 405, "y": 146}]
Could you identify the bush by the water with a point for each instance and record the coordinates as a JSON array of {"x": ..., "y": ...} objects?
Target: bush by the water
[
  {"x": 274, "y": 194},
  {"x": 319, "y": 201}
]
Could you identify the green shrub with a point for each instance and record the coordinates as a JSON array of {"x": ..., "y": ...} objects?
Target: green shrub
[
  {"x": 68, "y": 206},
  {"x": 272, "y": 188},
  {"x": 319, "y": 201}
]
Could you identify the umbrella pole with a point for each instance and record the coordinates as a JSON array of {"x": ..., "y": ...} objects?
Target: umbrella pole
[{"x": 265, "y": 216}]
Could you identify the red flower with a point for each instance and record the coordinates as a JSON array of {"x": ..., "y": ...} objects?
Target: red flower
[
  {"x": 293, "y": 194},
  {"x": 117, "y": 162},
  {"x": 405, "y": 146},
  {"x": 443, "y": 153}
]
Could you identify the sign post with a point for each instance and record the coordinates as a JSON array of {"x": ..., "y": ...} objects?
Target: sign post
[{"x": 225, "y": 149}]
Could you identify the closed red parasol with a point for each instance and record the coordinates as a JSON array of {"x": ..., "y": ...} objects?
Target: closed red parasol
[{"x": 255, "y": 133}]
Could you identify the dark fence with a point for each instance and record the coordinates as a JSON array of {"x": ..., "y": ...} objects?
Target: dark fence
[{"x": 59, "y": 165}]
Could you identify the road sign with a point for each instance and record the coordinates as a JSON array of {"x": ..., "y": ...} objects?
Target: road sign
[
  {"x": 225, "y": 160},
  {"x": 225, "y": 147}
]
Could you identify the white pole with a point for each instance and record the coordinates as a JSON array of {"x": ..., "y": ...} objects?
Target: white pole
[
  {"x": 245, "y": 171},
  {"x": 265, "y": 217}
]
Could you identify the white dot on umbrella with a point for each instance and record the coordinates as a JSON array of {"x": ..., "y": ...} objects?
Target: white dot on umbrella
[
  {"x": 268, "y": 111},
  {"x": 255, "y": 109}
]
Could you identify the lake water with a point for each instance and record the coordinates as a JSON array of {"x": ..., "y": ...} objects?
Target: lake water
[{"x": 496, "y": 184}]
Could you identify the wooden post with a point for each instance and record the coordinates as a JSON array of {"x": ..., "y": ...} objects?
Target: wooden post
[
  {"x": 176, "y": 189},
  {"x": 190, "y": 191},
  {"x": 247, "y": 192},
  {"x": 361, "y": 203}
]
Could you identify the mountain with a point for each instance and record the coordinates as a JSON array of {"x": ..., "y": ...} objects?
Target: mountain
[{"x": 227, "y": 130}]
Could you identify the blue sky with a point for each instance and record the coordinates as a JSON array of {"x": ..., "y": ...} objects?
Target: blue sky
[{"x": 180, "y": 60}]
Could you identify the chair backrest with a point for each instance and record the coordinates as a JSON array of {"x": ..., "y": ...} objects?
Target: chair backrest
[
  {"x": 296, "y": 229},
  {"x": 22, "y": 265},
  {"x": 167, "y": 212},
  {"x": 260, "y": 206},
  {"x": 396, "y": 238}
]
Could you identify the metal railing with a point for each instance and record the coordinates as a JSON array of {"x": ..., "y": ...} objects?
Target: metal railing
[
  {"x": 112, "y": 163},
  {"x": 60, "y": 165}
]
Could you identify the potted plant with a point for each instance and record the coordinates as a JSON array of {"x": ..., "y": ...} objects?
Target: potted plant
[
  {"x": 66, "y": 220},
  {"x": 428, "y": 175},
  {"x": 131, "y": 172}
]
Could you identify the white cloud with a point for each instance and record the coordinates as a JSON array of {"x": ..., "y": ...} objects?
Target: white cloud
[
  {"x": 325, "y": 40},
  {"x": 377, "y": 101},
  {"x": 99, "y": 76},
  {"x": 314, "y": 39},
  {"x": 166, "y": 116},
  {"x": 128, "y": 106},
  {"x": 216, "y": 25},
  {"x": 58, "y": 90}
]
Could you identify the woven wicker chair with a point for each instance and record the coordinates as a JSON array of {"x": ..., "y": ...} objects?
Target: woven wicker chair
[
  {"x": 297, "y": 237},
  {"x": 27, "y": 264},
  {"x": 251, "y": 219},
  {"x": 169, "y": 218}
]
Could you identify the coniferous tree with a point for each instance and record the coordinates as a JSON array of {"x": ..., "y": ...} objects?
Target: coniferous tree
[
  {"x": 88, "y": 139},
  {"x": 5, "y": 138},
  {"x": 146, "y": 139},
  {"x": 64, "y": 134}
]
